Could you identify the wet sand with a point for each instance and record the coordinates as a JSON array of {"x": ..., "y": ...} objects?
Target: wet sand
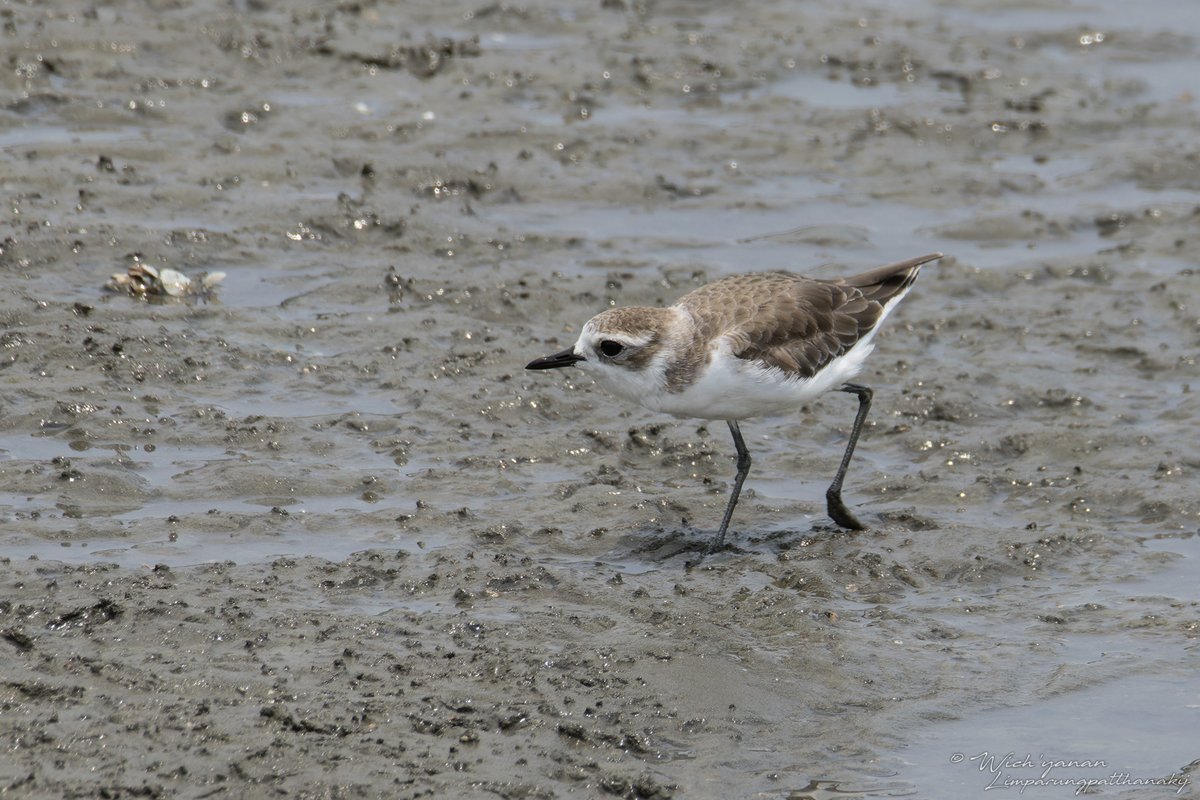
[{"x": 322, "y": 536}]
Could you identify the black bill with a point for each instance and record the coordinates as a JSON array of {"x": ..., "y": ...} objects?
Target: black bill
[{"x": 564, "y": 359}]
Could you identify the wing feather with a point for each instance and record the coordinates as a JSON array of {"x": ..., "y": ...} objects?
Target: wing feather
[{"x": 793, "y": 323}]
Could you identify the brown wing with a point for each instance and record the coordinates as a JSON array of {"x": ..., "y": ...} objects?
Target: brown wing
[
  {"x": 884, "y": 283},
  {"x": 799, "y": 324}
]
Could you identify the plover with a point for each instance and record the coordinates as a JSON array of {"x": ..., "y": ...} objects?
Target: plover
[{"x": 746, "y": 346}]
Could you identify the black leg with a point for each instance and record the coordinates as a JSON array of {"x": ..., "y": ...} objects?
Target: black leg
[
  {"x": 833, "y": 496},
  {"x": 743, "y": 469}
]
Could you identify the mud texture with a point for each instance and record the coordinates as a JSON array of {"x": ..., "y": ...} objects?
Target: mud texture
[{"x": 320, "y": 535}]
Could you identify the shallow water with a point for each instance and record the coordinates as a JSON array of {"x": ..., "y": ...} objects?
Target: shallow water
[{"x": 1122, "y": 735}]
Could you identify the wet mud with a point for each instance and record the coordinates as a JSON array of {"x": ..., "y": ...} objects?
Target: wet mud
[{"x": 315, "y": 532}]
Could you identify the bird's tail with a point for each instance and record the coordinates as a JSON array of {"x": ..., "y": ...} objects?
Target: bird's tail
[{"x": 883, "y": 283}]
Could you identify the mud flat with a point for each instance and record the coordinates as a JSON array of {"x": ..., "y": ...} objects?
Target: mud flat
[{"x": 319, "y": 535}]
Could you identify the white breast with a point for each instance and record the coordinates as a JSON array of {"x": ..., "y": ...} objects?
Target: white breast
[{"x": 732, "y": 388}]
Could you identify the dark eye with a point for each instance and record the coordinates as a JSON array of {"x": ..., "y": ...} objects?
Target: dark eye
[{"x": 610, "y": 348}]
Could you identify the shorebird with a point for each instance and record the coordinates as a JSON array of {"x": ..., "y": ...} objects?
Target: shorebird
[{"x": 746, "y": 346}]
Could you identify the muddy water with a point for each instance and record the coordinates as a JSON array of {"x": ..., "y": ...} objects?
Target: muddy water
[{"x": 323, "y": 536}]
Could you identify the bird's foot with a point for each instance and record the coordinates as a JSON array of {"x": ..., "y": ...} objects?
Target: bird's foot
[
  {"x": 840, "y": 514},
  {"x": 715, "y": 546}
]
